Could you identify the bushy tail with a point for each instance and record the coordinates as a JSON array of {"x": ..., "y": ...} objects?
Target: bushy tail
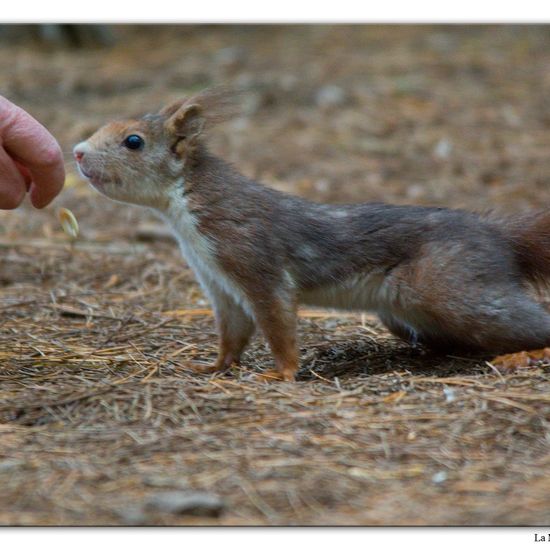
[{"x": 529, "y": 236}]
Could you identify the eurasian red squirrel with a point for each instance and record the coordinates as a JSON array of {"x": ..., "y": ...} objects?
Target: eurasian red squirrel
[{"x": 448, "y": 279}]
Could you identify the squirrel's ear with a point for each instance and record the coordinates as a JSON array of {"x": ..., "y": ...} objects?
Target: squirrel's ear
[
  {"x": 186, "y": 121},
  {"x": 168, "y": 110}
]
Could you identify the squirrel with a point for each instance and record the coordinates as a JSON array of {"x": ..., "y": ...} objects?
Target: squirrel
[{"x": 448, "y": 279}]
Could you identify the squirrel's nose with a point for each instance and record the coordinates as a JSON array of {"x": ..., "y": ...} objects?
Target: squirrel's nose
[{"x": 79, "y": 150}]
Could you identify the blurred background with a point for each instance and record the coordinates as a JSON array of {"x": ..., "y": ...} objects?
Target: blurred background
[{"x": 435, "y": 115}]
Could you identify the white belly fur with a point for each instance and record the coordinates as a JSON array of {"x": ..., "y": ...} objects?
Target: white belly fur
[
  {"x": 368, "y": 292},
  {"x": 372, "y": 292},
  {"x": 197, "y": 251}
]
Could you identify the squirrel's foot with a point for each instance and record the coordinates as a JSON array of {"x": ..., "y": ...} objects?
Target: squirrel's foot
[
  {"x": 273, "y": 375},
  {"x": 221, "y": 365},
  {"x": 519, "y": 360}
]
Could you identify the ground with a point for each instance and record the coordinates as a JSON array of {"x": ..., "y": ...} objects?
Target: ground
[{"x": 98, "y": 411}]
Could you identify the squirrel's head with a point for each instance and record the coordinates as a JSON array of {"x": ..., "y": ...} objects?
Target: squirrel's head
[{"x": 141, "y": 161}]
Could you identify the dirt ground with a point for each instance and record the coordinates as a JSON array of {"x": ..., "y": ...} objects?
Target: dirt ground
[{"x": 98, "y": 411}]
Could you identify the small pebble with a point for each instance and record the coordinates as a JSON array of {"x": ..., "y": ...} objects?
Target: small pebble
[
  {"x": 443, "y": 148},
  {"x": 450, "y": 395},
  {"x": 330, "y": 96},
  {"x": 184, "y": 502},
  {"x": 439, "y": 477}
]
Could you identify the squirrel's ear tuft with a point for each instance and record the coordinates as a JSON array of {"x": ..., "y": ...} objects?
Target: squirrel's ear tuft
[
  {"x": 186, "y": 121},
  {"x": 189, "y": 116},
  {"x": 171, "y": 108}
]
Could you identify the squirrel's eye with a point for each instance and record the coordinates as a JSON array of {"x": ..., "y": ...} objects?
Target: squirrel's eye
[{"x": 134, "y": 142}]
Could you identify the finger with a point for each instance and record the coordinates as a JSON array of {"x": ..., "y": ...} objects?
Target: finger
[
  {"x": 29, "y": 143},
  {"x": 12, "y": 183},
  {"x": 46, "y": 186},
  {"x": 25, "y": 173}
]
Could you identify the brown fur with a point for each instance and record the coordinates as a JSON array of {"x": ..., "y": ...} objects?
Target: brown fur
[
  {"x": 529, "y": 237},
  {"x": 447, "y": 278}
]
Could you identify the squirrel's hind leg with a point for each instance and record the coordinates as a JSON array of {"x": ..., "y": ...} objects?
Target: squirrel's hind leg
[
  {"x": 459, "y": 306},
  {"x": 497, "y": 324}
]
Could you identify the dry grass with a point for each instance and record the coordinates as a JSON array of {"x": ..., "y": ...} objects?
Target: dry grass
[{"x": 97, "y": 409}]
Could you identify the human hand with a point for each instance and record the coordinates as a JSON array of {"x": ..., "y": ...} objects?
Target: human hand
[{"x": 30, "y": 159}]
